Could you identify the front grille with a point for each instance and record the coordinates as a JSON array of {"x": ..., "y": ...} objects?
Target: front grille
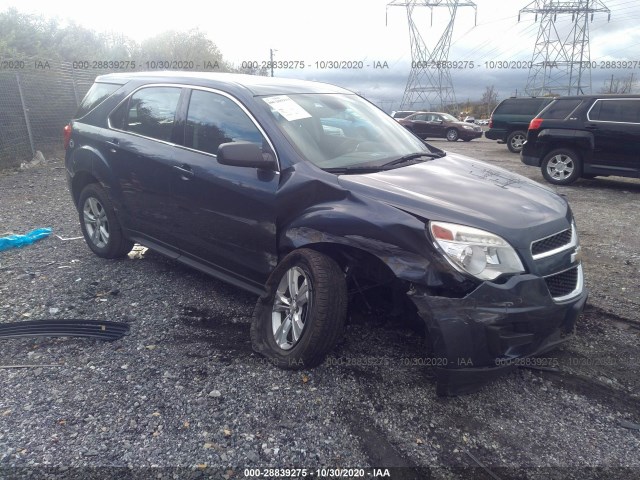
[
  {"x": 551, "y": 243},
  {"x": 563, "y": 283}
]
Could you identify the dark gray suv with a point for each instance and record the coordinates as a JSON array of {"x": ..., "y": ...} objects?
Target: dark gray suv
[
  {"x": 510, "y": 120},
  {"x": 313, "y": 199}
]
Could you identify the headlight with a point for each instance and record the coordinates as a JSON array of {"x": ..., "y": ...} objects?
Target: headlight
[
  {"x": 479, "y": 253},
  {"x": 467, "y": 127}
]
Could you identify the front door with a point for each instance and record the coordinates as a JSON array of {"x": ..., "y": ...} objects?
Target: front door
[{"x": 227, "y": 213}]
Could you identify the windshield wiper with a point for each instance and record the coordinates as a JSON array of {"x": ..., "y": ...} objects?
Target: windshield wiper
[
  {"x": 413, "y": 156},
  {"x": 341, "y": 170}
]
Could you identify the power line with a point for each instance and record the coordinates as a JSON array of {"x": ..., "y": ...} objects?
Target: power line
[
  {"x": 429, "y": 83},
  {"x": 561, "y": 61}
]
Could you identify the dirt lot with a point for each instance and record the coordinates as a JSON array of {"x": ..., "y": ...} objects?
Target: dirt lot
[{"x": 184, "y": 389}]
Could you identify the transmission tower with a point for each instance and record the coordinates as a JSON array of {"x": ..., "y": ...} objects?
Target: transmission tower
[
  {"x": 561, "y": 62},
  {"x": 429, "y": 85}
]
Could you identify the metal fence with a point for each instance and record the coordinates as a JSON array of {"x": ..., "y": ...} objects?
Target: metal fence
[{"x": 37, "y": 98}]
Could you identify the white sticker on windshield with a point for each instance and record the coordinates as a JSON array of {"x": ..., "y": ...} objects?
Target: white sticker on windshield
[{"x": 286, "y": 107}]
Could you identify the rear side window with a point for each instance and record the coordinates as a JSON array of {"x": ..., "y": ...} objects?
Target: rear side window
[
  {"x": 213, "y": 119},
  {"x": 627, "y": 111},
  {"x": 521, "y": 106},
  {"x": 97, "y": 94},
  {"x": 560, "y": 109},
  {"x": 150, "y": 112}
]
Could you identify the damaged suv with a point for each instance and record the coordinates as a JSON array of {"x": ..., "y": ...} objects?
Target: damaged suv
[{"x": 253, "y": 180}]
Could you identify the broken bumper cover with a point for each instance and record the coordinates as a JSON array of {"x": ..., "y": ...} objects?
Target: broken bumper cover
[{"x": 493, "y": 328}]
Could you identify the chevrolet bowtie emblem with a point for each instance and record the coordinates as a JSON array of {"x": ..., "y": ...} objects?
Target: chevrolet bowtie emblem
[{"x": 577, "y": 255}]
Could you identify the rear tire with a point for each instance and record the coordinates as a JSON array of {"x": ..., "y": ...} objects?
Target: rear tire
[
  {"x": 301, "y": 316},
  {"x": 561, "y": 166},
  {"x": 515, "y": 141},
  {"x": 100, "y": 225}
]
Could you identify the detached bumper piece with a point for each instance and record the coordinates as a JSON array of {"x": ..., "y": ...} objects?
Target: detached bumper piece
[
  {"x": 101, "y": 330},
  {"x": 478, "y": 337}
]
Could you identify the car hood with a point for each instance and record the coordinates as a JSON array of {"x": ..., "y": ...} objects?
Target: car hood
[{"x": 463, "y": 190}]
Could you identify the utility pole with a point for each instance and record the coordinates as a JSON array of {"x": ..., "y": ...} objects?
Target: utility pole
[
  {"x": 271, "y": 50},
  {"x": 561, "y": 62},
  {"x": 429, "y": 85}
]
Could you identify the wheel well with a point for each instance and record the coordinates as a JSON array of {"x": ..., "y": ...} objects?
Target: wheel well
[
  {"x": 373, "y": 288},
  {"x": 555, "y": 146},
  {"x": 354, "y": 261},
  {"x": 81, "y": 180}
]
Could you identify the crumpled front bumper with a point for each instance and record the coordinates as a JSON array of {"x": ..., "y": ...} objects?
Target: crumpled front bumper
[{"x": 479, "y": 336}]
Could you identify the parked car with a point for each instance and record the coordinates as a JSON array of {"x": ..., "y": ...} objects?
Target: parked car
[
  {"x": 401, "y": 114},
  {"x": 470, "y": 119},
  {"x": 585, "y": 136},
  {"x": 236, "y": 176},
  {"x": 440, "y": 125},
  {"x": 510, "y": 120}
]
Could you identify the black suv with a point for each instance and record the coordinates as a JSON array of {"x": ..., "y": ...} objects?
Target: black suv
[
  {"x": 263, "y": 183},
  {"x": 510, "y": 120},
  {"x": 585, "y": 136}
]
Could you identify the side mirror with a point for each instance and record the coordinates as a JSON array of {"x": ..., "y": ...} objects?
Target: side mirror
[{"x": 245, "y": 154}]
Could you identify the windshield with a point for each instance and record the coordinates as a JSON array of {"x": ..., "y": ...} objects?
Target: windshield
[{"x": 343, "y": 132}]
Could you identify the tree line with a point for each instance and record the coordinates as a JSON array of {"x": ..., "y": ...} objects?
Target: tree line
[{"x": 28, "y": 35}]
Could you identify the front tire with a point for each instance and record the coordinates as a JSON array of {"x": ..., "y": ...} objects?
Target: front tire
[
  {"x": 301, "y": 316},
  {"x": 452, "y": 135},
  {"x": 515, "y": 141},
  {"x": 100, "y": 225},
  {"x": 561, "y": 166}
]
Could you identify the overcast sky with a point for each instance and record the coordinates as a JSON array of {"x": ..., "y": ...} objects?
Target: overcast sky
[{"x": 360, "y": 30}]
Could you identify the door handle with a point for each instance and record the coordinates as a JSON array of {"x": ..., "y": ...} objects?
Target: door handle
[
  {"x": 114, "y": 142},
  {"x": 185, "y": 171},
  {"x": 591, "y": 126}
]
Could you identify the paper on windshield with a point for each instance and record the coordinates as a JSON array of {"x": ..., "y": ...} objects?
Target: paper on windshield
[{"x": 287, "y": 107}]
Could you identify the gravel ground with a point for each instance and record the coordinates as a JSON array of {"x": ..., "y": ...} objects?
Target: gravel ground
[{"x": 184, "y": 388}]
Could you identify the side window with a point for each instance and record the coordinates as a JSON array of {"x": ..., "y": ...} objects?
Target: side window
[
  {"x": 213, "y": 119},
  {"x": 150, "y": 112},
  {"x": 560, "y": 109},
  {"x": 627, "y": 111},
  {"x": 421, "y": 117},
  {"x": 97, "y": 94},
  {"x": 520, "y": 106}
]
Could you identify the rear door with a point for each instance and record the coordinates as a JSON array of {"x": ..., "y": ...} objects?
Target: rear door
[
  {"x": 615, "y": 124},
  {"x": 226, "y": 213},
  {"x": 140, "y": 149}
]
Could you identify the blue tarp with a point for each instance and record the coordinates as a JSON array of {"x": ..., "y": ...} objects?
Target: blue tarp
[{"x": 16, "y": 241}]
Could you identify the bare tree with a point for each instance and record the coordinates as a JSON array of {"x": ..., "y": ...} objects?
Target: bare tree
[
  {"x": 489, "y": 99},
  {"x": 620, "y": 85}
]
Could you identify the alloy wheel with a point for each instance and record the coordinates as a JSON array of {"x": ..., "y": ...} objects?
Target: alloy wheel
[
  {"x": 560, "y": 167},
  {"x": 290, "y": 308},
  {"x": 96, "y": 222}
]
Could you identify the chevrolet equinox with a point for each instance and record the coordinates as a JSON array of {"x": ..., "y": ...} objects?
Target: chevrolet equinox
[{"x": 309, "y": 196}]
